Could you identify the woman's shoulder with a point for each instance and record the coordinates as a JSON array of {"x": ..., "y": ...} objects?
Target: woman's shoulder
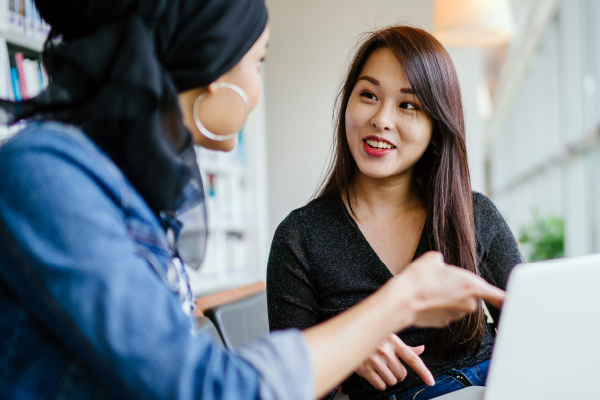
[
  {"x": 42, "y": 134},
  {"x": 314, "y": 213},
  {"x": 63, "y": 150},
  {"x": 56, "y": 140},
  {"x": 489, "y": 222},
  {"x": 484, "y": 207},
  {"x": 311, "y": 218}
]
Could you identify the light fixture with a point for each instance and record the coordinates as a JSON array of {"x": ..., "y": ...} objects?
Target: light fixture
[{"x": 473, "y": 22}]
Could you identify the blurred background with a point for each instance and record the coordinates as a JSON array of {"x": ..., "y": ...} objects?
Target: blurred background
[
  {"x": 531, "y": 104},
  {"x": 529, "y": 72}
]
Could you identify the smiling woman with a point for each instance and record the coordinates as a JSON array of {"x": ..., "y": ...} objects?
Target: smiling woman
[
  {"x": 397, "y": 187},
  {"x": 376, "y": 108}
]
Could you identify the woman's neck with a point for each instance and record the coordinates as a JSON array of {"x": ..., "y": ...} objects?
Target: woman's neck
[{"x": 384, "y": 198}]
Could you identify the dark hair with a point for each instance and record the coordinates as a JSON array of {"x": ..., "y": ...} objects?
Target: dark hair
[{"x": 441, "y": 176}]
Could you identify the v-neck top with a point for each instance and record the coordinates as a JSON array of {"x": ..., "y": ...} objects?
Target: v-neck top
[{"x": 321, "y": 264}]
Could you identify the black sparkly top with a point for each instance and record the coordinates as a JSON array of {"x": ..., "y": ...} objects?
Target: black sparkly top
[{"x": 321, "y": 264}]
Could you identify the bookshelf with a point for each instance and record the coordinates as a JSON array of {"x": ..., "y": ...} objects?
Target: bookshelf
[
  {"x": 24, "y": 42},
  {"x": 22, "y": 35},
  {"x": 236, "y": 195},
  {"x": 235, "y": 183}
]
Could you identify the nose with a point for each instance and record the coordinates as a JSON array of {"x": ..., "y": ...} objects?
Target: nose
[{"x": 383, "y": 120}]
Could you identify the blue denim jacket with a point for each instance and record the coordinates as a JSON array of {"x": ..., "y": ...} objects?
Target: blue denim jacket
[{"x": 86, "y": 310}]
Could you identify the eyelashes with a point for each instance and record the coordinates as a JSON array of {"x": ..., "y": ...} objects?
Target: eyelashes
[
  {"x": 408, "y": 106},
  {"x": 405, "y": 105},
  {"x": 368, "y": 95}
]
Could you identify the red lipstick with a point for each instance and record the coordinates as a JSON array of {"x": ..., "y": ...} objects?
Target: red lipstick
[{"x": 371, "y": 146}]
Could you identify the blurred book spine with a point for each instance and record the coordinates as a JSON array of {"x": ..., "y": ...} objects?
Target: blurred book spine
[
  {"x": 227, "y": 262},
  {"x": 22, "y": 34},
  {"x": 22, "y": 18}
]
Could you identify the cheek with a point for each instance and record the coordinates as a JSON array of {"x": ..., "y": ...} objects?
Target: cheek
[
  {"x": 417, "y": 134},
  {"x": 205, "y": 142},
  {"x": 426, "y": 129},
  {"x": 250, "y": 82},
  {"x": 354, "y": 120},
  {"x": 254, "y": 93}
]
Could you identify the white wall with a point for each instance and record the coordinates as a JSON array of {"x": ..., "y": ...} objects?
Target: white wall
[
  {"x": 547, "y": 154},
  {"x": 311, "y": 41},
  {"x": 469, "y": 64}
]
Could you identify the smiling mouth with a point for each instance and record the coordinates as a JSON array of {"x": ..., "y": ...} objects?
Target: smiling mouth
[{"x": 374, "y": 144}]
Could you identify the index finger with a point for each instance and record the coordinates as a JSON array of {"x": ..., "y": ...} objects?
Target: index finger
[
  {"x": 490, "y": 293},
  {"x": 414, "y": 361}
]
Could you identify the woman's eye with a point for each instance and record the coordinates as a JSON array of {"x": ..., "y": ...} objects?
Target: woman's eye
[
  {"x": 368, "y": 95},
  {"x": 408, "y": 106}
]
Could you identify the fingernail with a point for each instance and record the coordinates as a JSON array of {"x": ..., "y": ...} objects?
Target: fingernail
[{"x": 431, "y": 381}]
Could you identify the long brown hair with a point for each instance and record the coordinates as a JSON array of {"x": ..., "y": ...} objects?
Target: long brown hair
[{"x": 441, "y": 176}]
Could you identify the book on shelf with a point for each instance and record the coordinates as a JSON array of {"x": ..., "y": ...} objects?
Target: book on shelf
[
  {"x": 228, "y": 261},
  {"x": 22, "y": 78},
  {"x": 225, "y": 265},
  {"x": 22, "y": 75},
  {"x": 21, "y": 17},
  {"x": 6, "y": 80}
]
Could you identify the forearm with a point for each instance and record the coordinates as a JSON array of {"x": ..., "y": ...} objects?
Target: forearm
[
  {"x": 426, "y": 294},
  {"x": 339, "y": 345}
]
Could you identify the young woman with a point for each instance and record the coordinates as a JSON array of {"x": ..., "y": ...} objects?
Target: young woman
[
  {"x": 398, "y": 186},
  {"x": 91, "y": 286}
]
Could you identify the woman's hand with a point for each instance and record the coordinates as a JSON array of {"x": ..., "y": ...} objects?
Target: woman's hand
[
  {"x": 383, "y": 368},
  {"x": 441, "y": 293},
  {"x": 427, "y": 293}
]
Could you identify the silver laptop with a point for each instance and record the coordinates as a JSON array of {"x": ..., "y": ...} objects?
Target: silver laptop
[{"x": 548, "y": 342}]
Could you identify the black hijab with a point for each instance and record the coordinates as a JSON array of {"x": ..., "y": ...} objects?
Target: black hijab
[{"x": 116, "y": 67}]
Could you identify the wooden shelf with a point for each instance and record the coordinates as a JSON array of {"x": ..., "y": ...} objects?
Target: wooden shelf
[{"x": 22, "y": 41}]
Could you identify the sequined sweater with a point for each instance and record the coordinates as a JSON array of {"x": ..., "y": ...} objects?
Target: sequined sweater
[{"x": 321, "y": 264}]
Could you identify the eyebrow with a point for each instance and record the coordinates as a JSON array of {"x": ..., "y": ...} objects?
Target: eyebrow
[
  {"x": 376, "y": 83},
  {"x": 368, "y": 79}
]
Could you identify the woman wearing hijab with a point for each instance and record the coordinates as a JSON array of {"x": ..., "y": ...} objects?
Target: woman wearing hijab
[{"x": 91, "y": 282}]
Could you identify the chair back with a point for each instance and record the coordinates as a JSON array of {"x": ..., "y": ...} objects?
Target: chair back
[
  {"x": 241, "y": 321},
  {"x": 239, "y": 314}
]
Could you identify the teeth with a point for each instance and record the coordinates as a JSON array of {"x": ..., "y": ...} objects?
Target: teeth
[{"x": 379, "y": 145}]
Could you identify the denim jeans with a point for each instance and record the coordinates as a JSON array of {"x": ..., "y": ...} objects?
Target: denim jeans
[{"x": 454, "y": 380}]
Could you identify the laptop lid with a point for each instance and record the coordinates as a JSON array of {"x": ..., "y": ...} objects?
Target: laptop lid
[{"x": 548, "y": 342}]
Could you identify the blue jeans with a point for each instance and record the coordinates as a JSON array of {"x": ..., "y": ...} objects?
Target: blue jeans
[{"x": 454, "y": 380}]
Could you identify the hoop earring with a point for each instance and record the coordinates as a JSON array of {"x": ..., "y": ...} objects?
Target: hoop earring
[{"x": 200, "y": 125}]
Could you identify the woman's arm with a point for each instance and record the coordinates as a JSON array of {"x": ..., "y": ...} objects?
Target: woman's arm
[
  {"x": 292, "y": 295},
  {"x": 426, "y": 294},
  {"x": 68, "y": 255}
]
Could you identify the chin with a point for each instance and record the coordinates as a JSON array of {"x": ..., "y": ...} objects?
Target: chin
[
  {"x": 226, "y": 145},
  {"x": 379, "y": 172}
]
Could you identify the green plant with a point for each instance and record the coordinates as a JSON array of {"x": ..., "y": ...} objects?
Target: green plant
[{"x": 545, "y": 237}]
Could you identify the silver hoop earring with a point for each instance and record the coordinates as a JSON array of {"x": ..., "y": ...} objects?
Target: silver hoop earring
[{"x": 200, "y": 125}]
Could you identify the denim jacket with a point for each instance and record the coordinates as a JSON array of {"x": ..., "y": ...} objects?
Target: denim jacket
[{"x": 86, "y": 308}]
